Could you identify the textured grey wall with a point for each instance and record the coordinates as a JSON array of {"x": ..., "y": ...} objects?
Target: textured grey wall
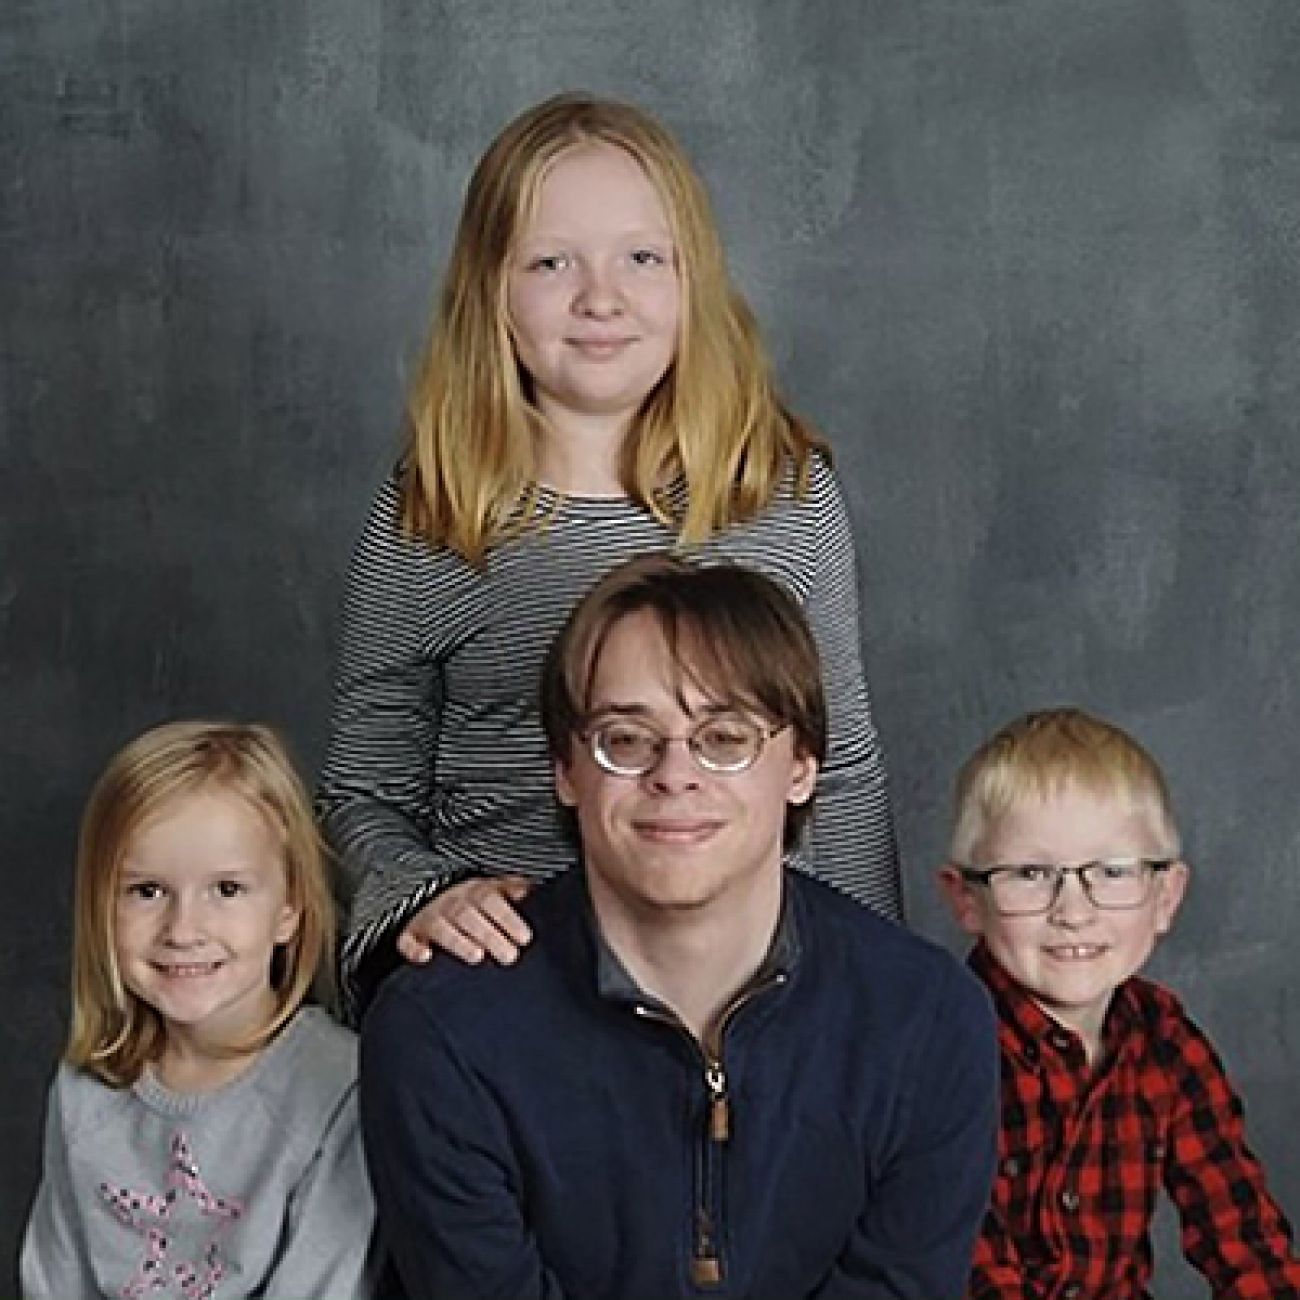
[{"x": 1033, "y": 264}]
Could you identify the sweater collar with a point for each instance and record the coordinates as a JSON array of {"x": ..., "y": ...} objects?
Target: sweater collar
[{"x": 615, "y": 983}]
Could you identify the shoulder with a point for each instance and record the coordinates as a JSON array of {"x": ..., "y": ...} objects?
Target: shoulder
[
  {"x": 79, "y": 1102},
  {"x": 822, "y": 478},
  {"x": 308, "y": 1071},
  {"x": 319, "y": 1043},
  {"x": 1169, "y": 1031},
  {"x": 449, "y": 999},
  {"x": 900, "y": 972},
  {"x": 802, "y": 538},
  {"x": 385, "y": 548},
  {"x": 1159, "y": 1013},
  {"x": 817, "y": 491},
  {"x": 449, "y": 1005}
]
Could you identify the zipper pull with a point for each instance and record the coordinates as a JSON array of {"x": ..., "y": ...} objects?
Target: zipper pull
[
  {"x": 715, "y": 1079},
  {"x": 706, "y": 1267}
]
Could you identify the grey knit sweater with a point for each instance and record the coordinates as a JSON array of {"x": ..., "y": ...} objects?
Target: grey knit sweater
[{"x": 257, "y": 1188}]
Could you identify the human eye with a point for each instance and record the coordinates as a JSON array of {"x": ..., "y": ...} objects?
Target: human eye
[
  {"x": 1118, "y": 869},
  {"x": 627, "y": 744},
  {"x": 548, "y": 263},
  {"x": 142, "y": 891},
  {"x": 230, "y": 888},
  {"x": 649, "y": 257},
  {"x": 1027, "y": 873},
  {"x": 727, "y": 740}
]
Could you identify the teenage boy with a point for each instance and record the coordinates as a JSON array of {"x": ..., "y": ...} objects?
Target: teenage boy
[
  {"x": 705, "y": 1074},
  {"x": 1065, "y": 865}
]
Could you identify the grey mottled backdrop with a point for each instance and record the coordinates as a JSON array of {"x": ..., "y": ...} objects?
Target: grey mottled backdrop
[{"x": 1034, "y": 265}]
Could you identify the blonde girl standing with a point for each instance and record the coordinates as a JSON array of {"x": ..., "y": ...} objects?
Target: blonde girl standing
[
  {"x": 594, "y": 388},
  {"x": 201, "y": 1135}
]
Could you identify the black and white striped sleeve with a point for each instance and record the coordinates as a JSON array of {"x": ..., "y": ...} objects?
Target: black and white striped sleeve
[
  {"x": 375, "y": 791},
  {"x": 852, "y": 843}
]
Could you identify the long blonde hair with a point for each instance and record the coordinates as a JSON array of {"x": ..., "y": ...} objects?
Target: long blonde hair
[
  {"x": 714, "y": 421},
  {"x": 114, "y": 1033}
]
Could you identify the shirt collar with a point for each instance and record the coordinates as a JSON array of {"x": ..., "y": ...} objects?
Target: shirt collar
[
  {"x": 615, "y": 982},
  {"x": 1028, "y": 1031}
]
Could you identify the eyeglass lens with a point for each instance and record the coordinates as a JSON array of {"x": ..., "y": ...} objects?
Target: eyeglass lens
[
  {"x": 727, "y": 743},
  {"x": 1035, "y": 888}
]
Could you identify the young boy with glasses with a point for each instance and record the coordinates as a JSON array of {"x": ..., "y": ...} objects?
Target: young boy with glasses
[{"x": 1065, "y": 865}]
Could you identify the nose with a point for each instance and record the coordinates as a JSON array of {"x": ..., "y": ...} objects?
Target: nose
[
  {"x": 676, "y": 769},
  {"x": 183, "y": 927},
  {"x": 599, "y": 293},
  {"x": 1073, "y": 907}
]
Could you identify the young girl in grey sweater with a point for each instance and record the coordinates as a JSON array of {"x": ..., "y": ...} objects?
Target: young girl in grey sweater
[{"x": 201, "y": 1137}]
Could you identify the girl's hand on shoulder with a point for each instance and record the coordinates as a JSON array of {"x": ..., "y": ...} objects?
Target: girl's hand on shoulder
[{"x": 471, "y": 920}]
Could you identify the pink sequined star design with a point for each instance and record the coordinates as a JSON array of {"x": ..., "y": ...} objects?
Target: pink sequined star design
[{"x": 151, "y": 1216}]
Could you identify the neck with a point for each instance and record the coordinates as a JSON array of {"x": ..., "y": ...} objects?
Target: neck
[
  {"x": 1087, "y": 1026},
  {"x": 695, "y": 961},
  {"x": 583, "y": 455},
  {"x": 193, "y": 1060},
  {"x": 189, "y": 1067}
]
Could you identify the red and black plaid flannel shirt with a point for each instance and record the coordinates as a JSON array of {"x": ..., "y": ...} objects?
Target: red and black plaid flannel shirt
[{"x": 1083, "y": 1152}]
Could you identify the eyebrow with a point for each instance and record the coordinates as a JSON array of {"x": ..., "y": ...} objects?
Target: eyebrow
[
  {"x": 658, "y": 234},
  {"x": 712, "y": 708},
  {"x": 129, "y": 875}
]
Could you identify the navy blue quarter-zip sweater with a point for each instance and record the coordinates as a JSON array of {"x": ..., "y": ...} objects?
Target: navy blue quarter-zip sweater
[{"x": 547, "y": 1130}]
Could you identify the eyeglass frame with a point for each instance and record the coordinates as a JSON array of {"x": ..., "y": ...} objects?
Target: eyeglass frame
[
  {"x": 764, "y": 732},
  {"x": 985, "y": 876}
]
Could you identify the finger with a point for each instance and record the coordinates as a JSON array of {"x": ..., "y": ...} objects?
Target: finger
[
  {"x": 516, "y": 888},
  {"x": 441, "y": 934},
  {"x": 497, "y": 909},
  {"x": 413, "y": 948},
  {"x": 481, "y": 929}
]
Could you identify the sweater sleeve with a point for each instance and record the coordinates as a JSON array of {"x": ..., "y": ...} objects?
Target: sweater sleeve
[
  {"x": 852, "y": 844},
  {"x": 914, "y": 1240},
  {"x": 439, "y": 1154},
  {"x": 55, "y": 1261},
  {"x": 328, "y": 1230},
  {"x": 375, "y": 793}
]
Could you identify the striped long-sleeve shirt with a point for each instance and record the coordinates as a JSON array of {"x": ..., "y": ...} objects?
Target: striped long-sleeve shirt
[{"x": 437, "y": 767}]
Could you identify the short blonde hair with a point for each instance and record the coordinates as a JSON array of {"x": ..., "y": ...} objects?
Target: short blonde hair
[
  {"x": 114, "y": 1034},
  {"x": 714, "y": 420},
  {"x": 1042, "y": 754}
]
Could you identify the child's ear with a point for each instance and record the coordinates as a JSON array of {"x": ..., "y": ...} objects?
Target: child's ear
[
  {"x": 287, "y": 924},
  {"x": 1171, "y": 886},
  {"x": 960, "y": 897}
]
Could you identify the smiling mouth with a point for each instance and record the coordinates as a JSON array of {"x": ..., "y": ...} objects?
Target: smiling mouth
[
  {"x": 677, "y": 832},
  {"x": 186, "y": 970},
  {"x": 1076, "y": 951},
  {"x": 601, "y": 347}
]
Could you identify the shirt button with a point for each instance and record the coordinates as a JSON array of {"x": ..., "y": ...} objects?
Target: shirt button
[
  {"x": 1070, "y": 1200},
  {"x": 1059, "y": 1040},
  {"x": 1031, "y": 1053},
  {"x": 1011, "y": 1166},
  {"x": 1071, "y": 1291}
]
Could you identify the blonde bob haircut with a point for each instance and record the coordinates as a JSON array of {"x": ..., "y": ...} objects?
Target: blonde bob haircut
[
  {"x": 714, "y": 422},
  {"x": 1043, "y": 754},
  {"x": 114, "y": 1033}
]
